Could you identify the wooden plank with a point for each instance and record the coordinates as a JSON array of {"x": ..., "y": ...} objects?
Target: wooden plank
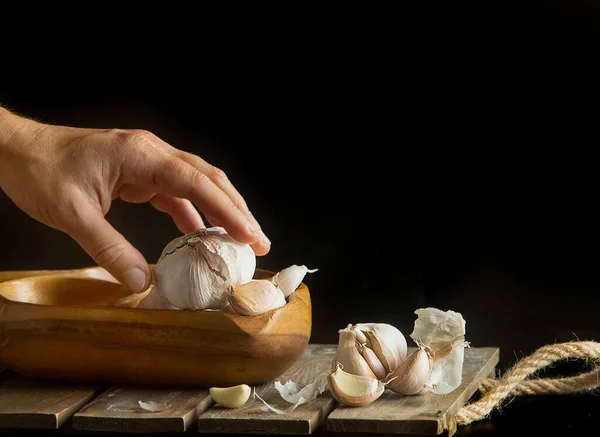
[
  {"x": 27, "y": 403},
  {"x": 122, "y": 410},
  {"x": 255, "y": 418},
  {"x": 421, "y": 414}
]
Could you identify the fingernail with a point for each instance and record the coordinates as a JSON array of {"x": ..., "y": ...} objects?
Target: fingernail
[
  {"x": 135, "y": 279},
  {"x": 264, "y": 240}
]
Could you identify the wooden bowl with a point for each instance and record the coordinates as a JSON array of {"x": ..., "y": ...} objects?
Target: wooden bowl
[{"x": 82, "y": 326}]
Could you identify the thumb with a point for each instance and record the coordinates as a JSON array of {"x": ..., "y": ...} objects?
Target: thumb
[{"x": 108, "y": 248}]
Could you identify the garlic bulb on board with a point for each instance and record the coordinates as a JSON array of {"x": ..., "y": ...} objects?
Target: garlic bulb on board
[{"x": 197, "y": 270}]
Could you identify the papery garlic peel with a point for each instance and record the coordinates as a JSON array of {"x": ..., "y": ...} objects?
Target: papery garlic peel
[
  {"x": 443, "y": 332},
  {"x": 290, "y": 278}
]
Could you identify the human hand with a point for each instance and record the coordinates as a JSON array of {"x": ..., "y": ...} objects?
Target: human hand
[{"x": 67, "y": 177}]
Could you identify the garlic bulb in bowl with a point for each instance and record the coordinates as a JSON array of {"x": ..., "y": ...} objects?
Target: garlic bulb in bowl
[{"x": 197, "y": 270}]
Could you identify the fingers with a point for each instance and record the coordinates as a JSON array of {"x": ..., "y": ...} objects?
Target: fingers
[
  {"x": 180, "y": 179},
  {"x": 186, "y": 217},
  {"x": 108, "y": 248},
  {"x": 158, "y": 167},
  {"x": 262, "y": 246}
]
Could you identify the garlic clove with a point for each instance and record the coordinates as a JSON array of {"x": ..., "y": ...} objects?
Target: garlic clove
[
  {"x": 354, "y": 390},
  {"x": 290, "y": 278},
  {"x": 374, "y": 362},
  {"x": 348, "y": 357},
  {"x": 256, "y": 297},
  {"x": 410, "y": 377},
  {"x": 231, "y": 397},
  {"x": 387, "y": 341}
]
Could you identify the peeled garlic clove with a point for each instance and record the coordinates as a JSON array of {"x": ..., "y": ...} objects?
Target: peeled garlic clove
[
  {"x": 348, "y": 357},
  {"x": 410, "y": 377},
  {"x": 290, "y": 278},
  {"x": 387, "y": 341},
  {"x": 231, "y": 397},
  {"x": 374, "y": 363},
  {"x": 196, "y": 270},
  {"x": 256, "y": 297},
  {"x": 354, "y": 390}
]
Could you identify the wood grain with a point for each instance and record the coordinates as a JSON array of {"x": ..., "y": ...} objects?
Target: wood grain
[
  {"x": 26, "y": 403},
  {"x": 420, "y": 414},
  {"x": 255, "y": 418},
  {"x": 59, "y": 327},
  {"x": 119, "y": 410}
]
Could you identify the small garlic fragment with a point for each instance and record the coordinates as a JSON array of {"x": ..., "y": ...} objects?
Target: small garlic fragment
[
  {"x": 348, "y": 357},
  {"x": 354, "y": 390},
  {"x": 231, "y": 397},
  {"x": 412, "y": 374},
  {"x": 387, "y": 341},
  {"x": 256, "y": 297},
  {"x": 290, "y": 278}
]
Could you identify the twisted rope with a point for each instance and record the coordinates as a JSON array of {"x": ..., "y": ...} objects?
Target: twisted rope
[{"x": 514, "y": 383}]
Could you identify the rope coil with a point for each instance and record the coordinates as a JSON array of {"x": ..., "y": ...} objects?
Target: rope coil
[{"x": 515, "y": 383}]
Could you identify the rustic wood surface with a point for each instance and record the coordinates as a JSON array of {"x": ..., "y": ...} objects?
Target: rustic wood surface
[
  {"x": 420, "y": 414},
  {"x": 256, "y": 418},
  {"x": 129, "y": 410},
  {"x": 25, "y": 403}
]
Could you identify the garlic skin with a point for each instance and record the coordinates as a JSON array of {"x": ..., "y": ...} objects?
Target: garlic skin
[
  {"x": 354, "y": 390},
  {"x": 231, "y": 397},
  {"x": 348, "y": 357},
  {"x": 443, "y": 332},
  {"x": 197, "y": 270},
  {"x": 290, "y": 278},
  {"x": 412, "y": 375},
  {"x": 255, "y": 297},
  {"x": 387, "y": 341}
]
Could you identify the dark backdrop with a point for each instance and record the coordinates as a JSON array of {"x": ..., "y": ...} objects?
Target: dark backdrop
[{"x": 417, "y": 155}]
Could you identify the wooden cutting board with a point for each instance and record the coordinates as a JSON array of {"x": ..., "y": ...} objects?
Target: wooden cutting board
[{"x": 51, "y": 405}]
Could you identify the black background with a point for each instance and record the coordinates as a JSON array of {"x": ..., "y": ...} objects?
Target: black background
[{"x": 417, "y": 154}]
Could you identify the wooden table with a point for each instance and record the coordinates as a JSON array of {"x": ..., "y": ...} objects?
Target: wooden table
[{"x": 28, "y": 404}]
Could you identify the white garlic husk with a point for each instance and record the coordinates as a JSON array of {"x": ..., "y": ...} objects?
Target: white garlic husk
[
  {"x": 197, "y": 270},
  {"x": 386, "y": 341},
  {"x": 290, "y": 278},
  {"x": 443, "y": 333}
]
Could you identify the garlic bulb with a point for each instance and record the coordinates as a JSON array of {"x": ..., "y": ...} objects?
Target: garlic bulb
[
  {"x": 354, "y": 390},
  {"x": 348, "y": 357},
  {"x": 290, "y": 278},
  {"x": 386, "y": 341},
  {"x": 256, "y": 297},
  {"x": 197, "y": 271}
]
